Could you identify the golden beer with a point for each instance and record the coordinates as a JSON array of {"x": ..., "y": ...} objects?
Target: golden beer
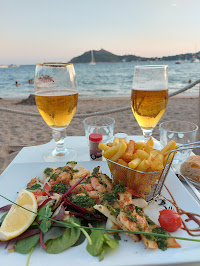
[
  {"x": 57, "y": 107},
  {"x": 148, "y": 106}
]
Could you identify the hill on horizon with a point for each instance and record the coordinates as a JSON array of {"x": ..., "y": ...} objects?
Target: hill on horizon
[{"x": 103, "y": 56}]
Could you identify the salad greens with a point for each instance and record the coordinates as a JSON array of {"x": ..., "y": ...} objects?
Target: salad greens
[
  {"x": 3, "y": 217},
  {"x": 53, "y": 233},
  {"x": 63, "y": 242},
  {"x": 100, "y": 242},
  {"x": 46, "y": 212},
  {"x": 25, "y": 245}
]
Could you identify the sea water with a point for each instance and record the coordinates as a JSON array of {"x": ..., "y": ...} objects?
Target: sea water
[{"x": 100, "y": 80}]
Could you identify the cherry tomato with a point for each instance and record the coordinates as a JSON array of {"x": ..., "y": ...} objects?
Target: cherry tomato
[
  {"x": 39, "y": 192},
  {"x": 47, "y": 188},
  {"x": 170, "y": 220}
]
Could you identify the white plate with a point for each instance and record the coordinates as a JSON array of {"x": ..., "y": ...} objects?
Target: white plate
[{"x": 128, "y": 253}]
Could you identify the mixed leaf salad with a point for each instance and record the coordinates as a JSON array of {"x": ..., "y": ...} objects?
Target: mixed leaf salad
[{"x": 75, "y": 205}]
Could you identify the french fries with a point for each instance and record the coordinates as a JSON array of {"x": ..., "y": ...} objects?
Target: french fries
[
  {"x": 134, "y": 163},
  {"x": 138, "y": 155},
  {"x": 129, "y": 154},
  {"x": 142, "y": 154},
  {"x": 120, "y": 152},
  {"x": 111, "y": 151},
  {"x": 121, "y": 161},
  {"x": 103, "y": 146},
  {"x": 169, "y": 147}
]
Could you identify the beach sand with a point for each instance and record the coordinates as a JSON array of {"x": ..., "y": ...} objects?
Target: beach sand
[{"x": 19, "y": 130}]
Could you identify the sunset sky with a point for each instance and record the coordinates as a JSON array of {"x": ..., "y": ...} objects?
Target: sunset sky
[{"x": 58, "y": 30}]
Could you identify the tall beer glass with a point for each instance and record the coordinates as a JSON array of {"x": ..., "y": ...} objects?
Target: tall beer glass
[
  {"x": 149, "y": 96},
  {"x": 56, "y": 95}
]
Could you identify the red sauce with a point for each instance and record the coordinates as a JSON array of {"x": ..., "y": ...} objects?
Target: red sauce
[{"x": 191, "y": 217}]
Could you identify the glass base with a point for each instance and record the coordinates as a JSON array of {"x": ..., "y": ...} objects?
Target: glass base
[{"x": 67, "y": 155}]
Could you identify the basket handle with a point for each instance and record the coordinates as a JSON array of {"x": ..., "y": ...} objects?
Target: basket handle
[
  {"x": 180, "y": 148},
  {"x": 183, "y": 147}
]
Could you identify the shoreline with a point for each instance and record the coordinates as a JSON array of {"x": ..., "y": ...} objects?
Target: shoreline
[{"x": 182, "y": 95}]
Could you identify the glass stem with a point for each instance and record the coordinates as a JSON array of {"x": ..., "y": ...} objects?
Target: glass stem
[
  {"x": 59, "y": 137},
  {"x": 147, "y": 133}
]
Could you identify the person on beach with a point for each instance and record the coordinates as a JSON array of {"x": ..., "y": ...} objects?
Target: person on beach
[
  {"x": 16, "y": 83},
  {"x": 30, "y": 81}
]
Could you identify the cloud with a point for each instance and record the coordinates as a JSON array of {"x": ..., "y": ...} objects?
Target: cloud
[{"x": 173, "y": 4}]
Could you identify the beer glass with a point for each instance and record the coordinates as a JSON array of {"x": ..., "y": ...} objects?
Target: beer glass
[
  {"x": 149, "y": 96},
  {"x": 56, "y": 95}
]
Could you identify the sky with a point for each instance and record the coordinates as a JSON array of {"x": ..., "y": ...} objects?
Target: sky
[{"x": 58, "y": 30}]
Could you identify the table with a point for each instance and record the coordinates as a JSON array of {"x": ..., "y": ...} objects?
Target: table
[{"x": 33, "y": 154}]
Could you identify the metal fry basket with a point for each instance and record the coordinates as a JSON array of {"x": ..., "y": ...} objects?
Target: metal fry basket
[{"x": 147, "y": 184}]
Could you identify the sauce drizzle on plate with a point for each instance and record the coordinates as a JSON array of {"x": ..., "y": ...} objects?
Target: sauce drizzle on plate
[{"x": 191, "y": 217}]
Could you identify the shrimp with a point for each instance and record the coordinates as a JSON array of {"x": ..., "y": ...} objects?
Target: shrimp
[
  {"x": 124, "y": 199},
  {"x": 78, "y": 189},
  {"x": 88, "y": 187},
  {"x": 73, "y": 182},
  {"x": 96, "y": 185},
  {"x": 63, "y": 177},
  {"x": 133, "y": 192},
  {"x": 107, "y": 181},
  {"x": 80, "y": 172},
  {"x": 57, "y": 171},
  {"x": 129, "y": 219},
  {"x": 82, "y": 188},
  {"x": 32, "y": 182},
  {"x": 97, "y": 196}
]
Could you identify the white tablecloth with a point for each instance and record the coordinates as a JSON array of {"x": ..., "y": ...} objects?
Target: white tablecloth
[
  {"x": 78, "y": 143},
  {"x": 35, "y": 153}
]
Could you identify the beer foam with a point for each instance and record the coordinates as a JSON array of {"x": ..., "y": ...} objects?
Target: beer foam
[
  {"x": 151, "y": 87},
  {"x": 56, "y": 93}
]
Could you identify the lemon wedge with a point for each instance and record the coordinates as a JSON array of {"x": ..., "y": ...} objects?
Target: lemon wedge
[{"x": 18, "y": 219}]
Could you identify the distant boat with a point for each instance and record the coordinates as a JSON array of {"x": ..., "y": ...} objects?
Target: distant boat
[
  {"x": 3, "y": 66},
  {"x": 92, "y": 59},
  {"x": 194, "y": 59},
  {"x": 13, "y": 65},
  {"x": 179, "y": 61},
  {"x": 186, "y": 58}
]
